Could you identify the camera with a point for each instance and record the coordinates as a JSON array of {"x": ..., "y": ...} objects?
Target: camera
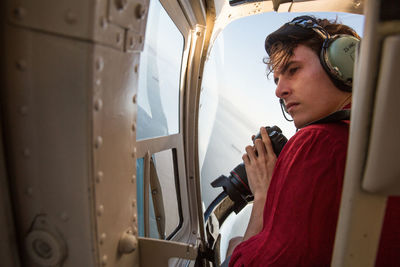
[{"x": 236, "y": 186}]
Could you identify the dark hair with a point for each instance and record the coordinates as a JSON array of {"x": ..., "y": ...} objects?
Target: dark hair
[{"x": 281, "y": 43}]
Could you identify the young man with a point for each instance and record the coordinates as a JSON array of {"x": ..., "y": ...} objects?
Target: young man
[{"x": 297, "y": 196}]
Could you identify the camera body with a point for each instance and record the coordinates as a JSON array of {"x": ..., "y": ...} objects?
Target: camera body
[{"x": 236, "y": 186}]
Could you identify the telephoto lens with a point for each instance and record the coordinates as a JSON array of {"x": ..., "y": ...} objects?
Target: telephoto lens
[{"x": 236, "y": 186}]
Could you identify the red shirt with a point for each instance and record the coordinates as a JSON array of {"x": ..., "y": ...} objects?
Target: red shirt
[{"x": 302, "y": 206}]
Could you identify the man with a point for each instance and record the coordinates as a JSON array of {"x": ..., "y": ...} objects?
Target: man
[{"x": 297, "y": 196}]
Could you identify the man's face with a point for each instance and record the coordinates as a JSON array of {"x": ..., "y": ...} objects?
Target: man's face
[{"x": 306, "y": 88}]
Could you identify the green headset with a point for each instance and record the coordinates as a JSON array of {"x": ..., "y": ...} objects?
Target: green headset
[{"x": 337, "y": 54}]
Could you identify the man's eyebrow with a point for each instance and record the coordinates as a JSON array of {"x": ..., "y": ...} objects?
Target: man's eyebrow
[{"x": 284, "y": 68}]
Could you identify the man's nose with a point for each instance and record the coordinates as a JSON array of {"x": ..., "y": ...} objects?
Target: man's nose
[{"x": 282, "y": 89}]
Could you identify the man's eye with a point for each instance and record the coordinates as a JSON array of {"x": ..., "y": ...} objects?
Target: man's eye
[{"x": 293, "y": 70}]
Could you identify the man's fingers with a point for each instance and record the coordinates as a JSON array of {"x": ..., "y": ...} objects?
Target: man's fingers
[
  {"x": 267, "y": 141},
  {"x": 260, "y": 147}
]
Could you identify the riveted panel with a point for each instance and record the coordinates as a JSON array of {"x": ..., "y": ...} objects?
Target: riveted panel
[
  {"x": 114, "y": 112},
  {"x": 130, "y": 14},
  {"x": 47, "y": 136},
  {"x": 68, "y": 17},
  {"x": 85, "y": 20}
]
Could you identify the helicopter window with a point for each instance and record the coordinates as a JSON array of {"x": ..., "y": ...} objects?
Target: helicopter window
[
  {"x": 164, "y": 214},
  {"x": 237, "y": 98},
  {"x": 159, "y": 76}
]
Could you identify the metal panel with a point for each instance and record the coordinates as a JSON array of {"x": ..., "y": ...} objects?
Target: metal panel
[
  {"x": 361, "y": 213},
  {"x": 382, "y": 174},
  {"x": 74, "y": 18},
  {"x": 114, "y": 110},
  {"x": 46, "y": 133}
]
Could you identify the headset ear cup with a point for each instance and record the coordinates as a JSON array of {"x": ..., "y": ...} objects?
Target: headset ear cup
[{"x": 338, "y": 57}]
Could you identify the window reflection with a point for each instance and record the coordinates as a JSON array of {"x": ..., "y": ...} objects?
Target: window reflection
[{"x": 159, "y": 76}]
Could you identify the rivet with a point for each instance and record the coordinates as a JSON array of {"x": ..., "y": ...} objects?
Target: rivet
[
  {"x": 64, "y": 216},
  {"x": 99, "y": 64},
  {"x": 133, "y": 203},
  {"x": 133, "y": 127},
  {"x": 134, "y": 230},
  {"x": 21, "y": 65},
  {"x": 42, "y": 248},
  {"x": 136, "y": 68},
  {"x": 99, "y": 177},
  {"x": 121, "y": 4},
  {"x": 103, "y": 237},
  {"x": 70, "y": 17},
  {"x": 104, "y": 260},
  {"x": 103, "y": 23},
  {"x": 140, "y": 11},
  {"x": 19, "y": 12},
  {"x": 29, "y": 191},
  {"x": 23, "y": 110},
  {"x": 100, "y": 210},
  {"x": 98, "y": 142},
  {"x": 134, "y": 99},
  {"x": 98, "y": 104},
  {"x": 27, "y": 152}
]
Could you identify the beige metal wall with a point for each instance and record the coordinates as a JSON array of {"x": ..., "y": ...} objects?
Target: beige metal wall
[{"x": 69, "y": 112}]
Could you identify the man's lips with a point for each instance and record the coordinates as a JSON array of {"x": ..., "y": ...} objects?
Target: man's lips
[{"x": 290, "y": 105}]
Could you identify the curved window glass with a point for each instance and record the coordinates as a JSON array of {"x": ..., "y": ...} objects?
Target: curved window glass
[{"x": 159, "y": 76}]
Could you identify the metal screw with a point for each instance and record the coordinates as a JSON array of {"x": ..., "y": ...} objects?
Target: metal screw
[
  {"x": 140, "y": 11},
  {"x": 99, "y": 177},
  {"x": 103, "y": 22},
  {"x": 19, "y": 12},
  {"x": 21, "y": 65},
  {"x": 99, "y": 64},
  {"x": 100, "y": 210},
  {"x": 70, "y": 17},
  {"x": 104, "y": 260},
  {"x": 29, "y": 191},
  {"x": 42, "y": 249},
  {"x": 102, "y": 238},
  {"x": 99, "y": 142},
  {"x": 23, "y": 110},
  {"x": 27, "y": 152},
  {"x": 64, "y": 216},
  {"x": 98, "y": 104},
  {"x": 121, "y": 4}
]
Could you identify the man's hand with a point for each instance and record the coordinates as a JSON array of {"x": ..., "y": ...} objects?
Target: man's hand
[{"x": 260, "y": 163}]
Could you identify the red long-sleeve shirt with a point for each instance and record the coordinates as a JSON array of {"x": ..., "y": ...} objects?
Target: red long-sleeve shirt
[{"x": 302, "y": 206}]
